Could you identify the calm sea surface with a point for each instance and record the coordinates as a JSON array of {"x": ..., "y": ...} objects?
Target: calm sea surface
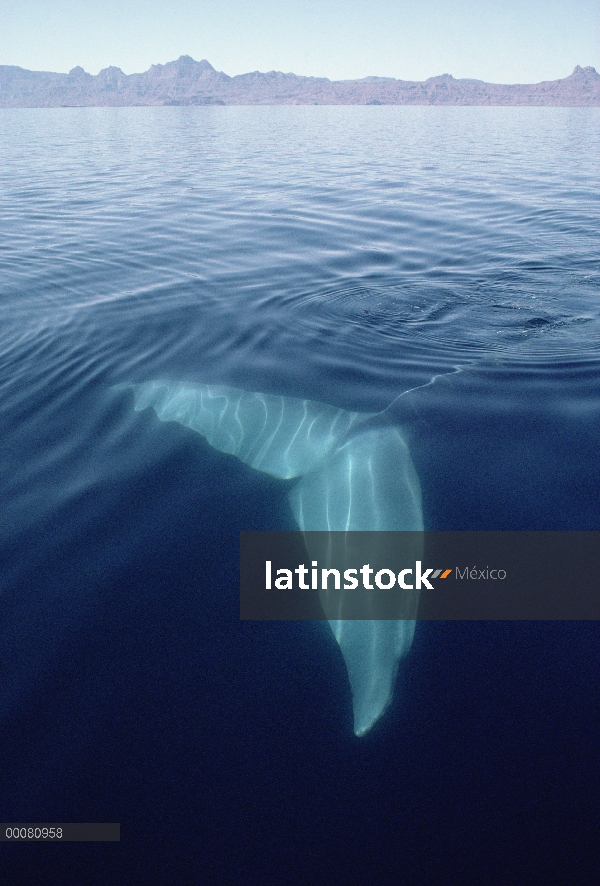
[{"x": 345, "y": 255}]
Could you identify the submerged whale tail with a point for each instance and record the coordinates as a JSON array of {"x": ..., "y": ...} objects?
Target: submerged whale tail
[{"x": 353, "y": 476}]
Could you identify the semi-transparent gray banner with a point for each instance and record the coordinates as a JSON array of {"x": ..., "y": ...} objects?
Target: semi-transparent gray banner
[{"x": 424, "y": 575}]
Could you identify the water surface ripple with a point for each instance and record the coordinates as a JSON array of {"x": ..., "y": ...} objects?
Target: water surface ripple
[
  {"x": 440, "y": 261},
  {"x": 346, "y": 255}
]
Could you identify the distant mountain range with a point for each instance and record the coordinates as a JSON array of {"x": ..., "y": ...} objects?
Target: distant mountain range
[{"x": 188, "y": 82}]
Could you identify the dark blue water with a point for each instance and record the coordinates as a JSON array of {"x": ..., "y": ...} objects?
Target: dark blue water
[{"x": 346, "y": 255}]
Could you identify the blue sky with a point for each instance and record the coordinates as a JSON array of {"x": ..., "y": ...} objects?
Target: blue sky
[{"x": 505, "y": 41}]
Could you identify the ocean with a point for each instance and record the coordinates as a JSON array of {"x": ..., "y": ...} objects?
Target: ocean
[{"x": 439, "y": 261}]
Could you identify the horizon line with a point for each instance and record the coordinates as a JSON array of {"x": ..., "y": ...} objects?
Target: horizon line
[{"x": 188, "y": 59}]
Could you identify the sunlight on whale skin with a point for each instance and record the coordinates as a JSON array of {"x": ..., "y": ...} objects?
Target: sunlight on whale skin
[
  {"x": 352, "y": 478},
  {"x": 368, "y": 483}
]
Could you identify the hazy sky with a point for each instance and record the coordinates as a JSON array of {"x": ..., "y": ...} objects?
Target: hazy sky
[{"x": 506, "y": 41}]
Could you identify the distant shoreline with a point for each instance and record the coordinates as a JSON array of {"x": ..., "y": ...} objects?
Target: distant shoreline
[{"x": 188, "y": 82}]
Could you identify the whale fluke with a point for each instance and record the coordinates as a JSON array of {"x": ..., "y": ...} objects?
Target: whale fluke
[
  {"x": 353, "y": 476},
  {"x": 282, "y": 436},
  {"x": 368, "y": 483}
]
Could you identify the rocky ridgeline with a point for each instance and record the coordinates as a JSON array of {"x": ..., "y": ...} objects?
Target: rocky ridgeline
[{"x": 188, "y": 82}]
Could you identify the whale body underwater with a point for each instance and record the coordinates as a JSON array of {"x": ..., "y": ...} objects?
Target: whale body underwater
[{"x": 353, "y": 474}]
